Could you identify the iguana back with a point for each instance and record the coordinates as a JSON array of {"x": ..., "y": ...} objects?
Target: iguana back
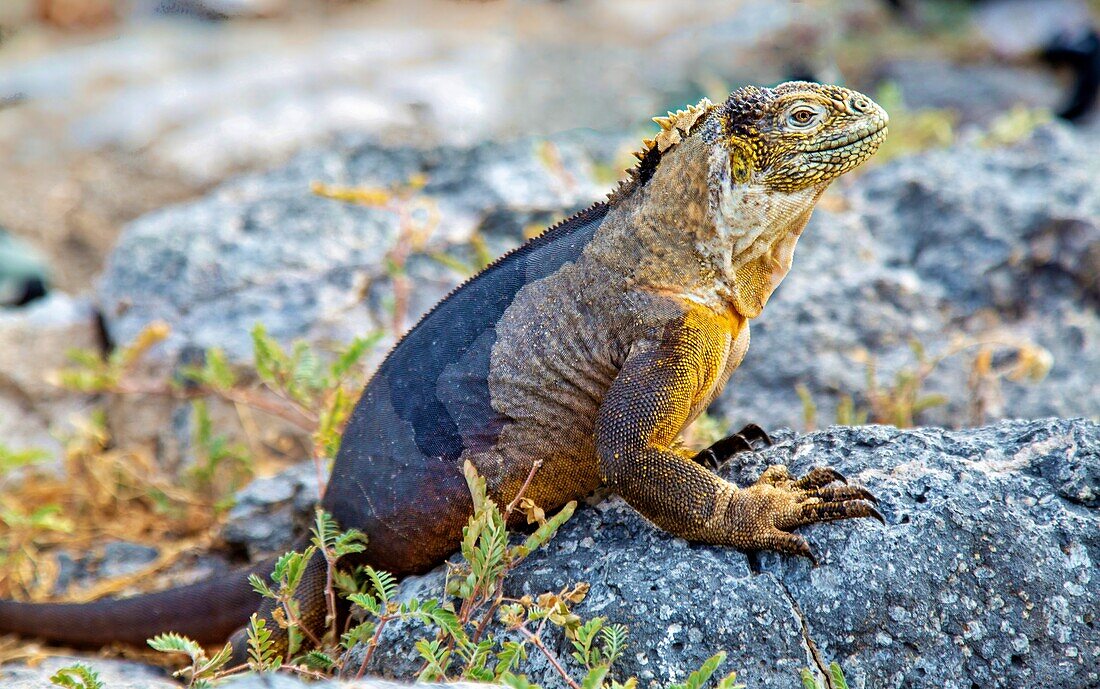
[{"x": 398, "y": 476}]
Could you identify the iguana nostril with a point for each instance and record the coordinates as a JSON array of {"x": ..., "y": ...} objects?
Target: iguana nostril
[{"x": 858, "y": 104}]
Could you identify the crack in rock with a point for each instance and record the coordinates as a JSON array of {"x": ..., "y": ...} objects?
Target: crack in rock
[{"x": 807, "y": 640}]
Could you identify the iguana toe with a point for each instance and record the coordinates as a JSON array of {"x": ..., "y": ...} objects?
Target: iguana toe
[
  {"x": 789, "y": 544},
  {"x": 814, "y": 512},
  {"x": 818, "y": 477},
  {"x": 719, "y": 453},
  {"x": 756, "y": 436},
  {"x": 751, "y": 438},
  {"x": 841, "y": 493}
]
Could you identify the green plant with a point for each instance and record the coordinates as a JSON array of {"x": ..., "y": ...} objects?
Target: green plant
[
  {"x": 200, "y": 673},
  {"x": 1013, "y": 126},
  {"x": 319, "y": 392},
  {"x": 13, "y": 459},
  {"x": 314, "y": 392},
  {"x": 20, "y": 528},
  {"x": 77, "y": 676},
  {"x": 107, "y": 487},
  {"x": 835, "y": 681},
  {"x": 480, "y": 259},
  {"x": 901, "y": 401},
  {"x": 219, "y": 463}
]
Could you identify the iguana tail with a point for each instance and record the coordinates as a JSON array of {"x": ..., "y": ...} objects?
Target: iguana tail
[{"x": 208, "y": 612}]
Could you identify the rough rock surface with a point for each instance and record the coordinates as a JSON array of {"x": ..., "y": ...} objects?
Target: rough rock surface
[
  {"x": 269, "y": 512},
  {"x": 265, "y": 249},
  {"x": 985, "y": 575}
]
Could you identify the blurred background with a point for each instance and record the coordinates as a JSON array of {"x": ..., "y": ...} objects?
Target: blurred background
[{"x": 112, "y": 108}]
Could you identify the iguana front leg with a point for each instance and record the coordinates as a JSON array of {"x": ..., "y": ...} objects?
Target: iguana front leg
[{"x": 644, "y": 410}]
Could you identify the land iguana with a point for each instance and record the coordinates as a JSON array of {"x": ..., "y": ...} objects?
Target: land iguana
[{"x": 585, "y": 351}]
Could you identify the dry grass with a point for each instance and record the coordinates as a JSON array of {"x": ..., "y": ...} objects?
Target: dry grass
[{"x": 101, "y": 493}]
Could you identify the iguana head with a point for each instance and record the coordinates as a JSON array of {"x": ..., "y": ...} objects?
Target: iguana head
[
  {"x": 797, "y": 135},
  {"x": 735, "y": 183},
  {"x": 771, "y": 154}
]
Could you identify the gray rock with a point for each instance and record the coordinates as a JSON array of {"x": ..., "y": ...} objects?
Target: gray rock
[
  {"x": 264, "y": 249},
  {"x": 984, "y": 576},
  {"x": 115, "y": 674},
  {"x": 121, "y": 558},
  {"x": 34, "y": 342},
  {"x": 269, "y": 512}
]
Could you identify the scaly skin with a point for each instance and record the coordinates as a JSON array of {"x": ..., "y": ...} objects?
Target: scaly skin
[{"x": 592, "y": 347}]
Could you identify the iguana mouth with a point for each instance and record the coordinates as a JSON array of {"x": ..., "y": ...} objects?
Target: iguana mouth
[{"x": 876, "y": 133}]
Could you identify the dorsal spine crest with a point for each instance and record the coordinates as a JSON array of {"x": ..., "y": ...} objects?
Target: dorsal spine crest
[{"x": 674, "y": 127}]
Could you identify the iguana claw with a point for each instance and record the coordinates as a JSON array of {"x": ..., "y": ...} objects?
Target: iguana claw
[{"x": 777, "y": 503}]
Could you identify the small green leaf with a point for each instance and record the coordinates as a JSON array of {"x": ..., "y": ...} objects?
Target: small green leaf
[
  {"x": 808, "y": 681},
  {"x": 516, "y": 681},
  {"x": 353, "y": 354},
  {"x": 289, "y": 569},
  {"x": 476, "y": 485},
  {"x": 260, "y": 586},
  {"x": 727, "y": 682},
  {"x": 545, "y": 532},
  {"x": 215, "y": 663},
  {"x": 510, "y": 655},
  {"x": 319, "y": 661},
  {"x": 348, "y": 542},
  {"x": 367, "y": 602},
  {"x": 261, "y": 649},
  {"x": 176, "y": 643},
  {"x": 614, "y": 642},
  {"x": 698, "y": 678},
  {"x": 13, "y": 459},
  {"x": 359, "y": 634},
  {"x": 77, "y": 676},
  {"x": 594, "y": 678},
  {"x": 385, "y": 584},
  {"x": 271, "y": 361},
  {"x": 838, "y": 676},
  {"x": 436, "y": 659}
]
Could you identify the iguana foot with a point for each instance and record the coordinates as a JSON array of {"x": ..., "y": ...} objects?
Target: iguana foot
[
  {"x": 749, "y": 439},
  {"x": 764, "y": 514}
]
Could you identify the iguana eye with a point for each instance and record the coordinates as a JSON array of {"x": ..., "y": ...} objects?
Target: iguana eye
[{"x": 804, "y": 116}]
